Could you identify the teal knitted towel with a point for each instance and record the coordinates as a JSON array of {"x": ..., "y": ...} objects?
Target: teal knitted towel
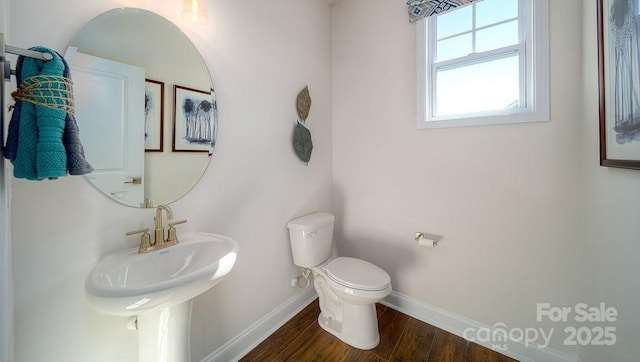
[{"x": 41, "y": 153}]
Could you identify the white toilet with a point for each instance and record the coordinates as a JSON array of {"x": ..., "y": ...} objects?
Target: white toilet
[{"x": 348, "y": 288}]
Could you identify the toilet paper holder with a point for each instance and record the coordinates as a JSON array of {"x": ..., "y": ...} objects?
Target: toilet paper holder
[{"x": 426, "y": 239}]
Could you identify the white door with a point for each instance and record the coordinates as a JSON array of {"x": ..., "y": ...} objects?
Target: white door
[{"x": 109, "y": 101}]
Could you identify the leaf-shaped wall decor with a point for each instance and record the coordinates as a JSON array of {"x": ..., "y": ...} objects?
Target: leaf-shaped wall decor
[
  {"x": 304, "y": 104},
  {"x": 302, "y": 142}
]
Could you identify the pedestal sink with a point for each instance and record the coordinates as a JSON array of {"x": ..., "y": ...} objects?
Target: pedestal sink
[{"x": 159, "y": 288}]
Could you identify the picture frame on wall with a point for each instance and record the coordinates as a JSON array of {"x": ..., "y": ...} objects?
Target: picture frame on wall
[
  {"x": 154, "y": 115},
  {"x": 619, "y": 83},
  {"x": 194, "y": 120}
]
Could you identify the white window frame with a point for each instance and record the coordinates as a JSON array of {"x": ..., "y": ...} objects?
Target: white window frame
[{"x": 536, "y": 78}]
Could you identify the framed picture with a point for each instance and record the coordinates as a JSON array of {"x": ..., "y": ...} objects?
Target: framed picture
[
  {"x": 153, "y": 115},
  {"x": 194, "y": 120},
  {"x": 619, "y": 83}
]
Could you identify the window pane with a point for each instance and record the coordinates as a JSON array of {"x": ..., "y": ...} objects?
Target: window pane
[
  {"x": 454, "y": 22},
  {"x": 454, "y": 47},
  {"x": 480, "y": 87},
  {"x": 492, "y": 11},
  {"x": 497, "y": 36}
]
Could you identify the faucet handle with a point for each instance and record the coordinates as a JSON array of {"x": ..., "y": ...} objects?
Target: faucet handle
[
  {"x": 172, "y": 237},
  {"x": 145, "y": 240},
  {"x": 141, "y": 231}
]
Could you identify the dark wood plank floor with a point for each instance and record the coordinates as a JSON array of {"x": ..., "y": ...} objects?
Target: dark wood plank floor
[{"x": 402, "y": 338}]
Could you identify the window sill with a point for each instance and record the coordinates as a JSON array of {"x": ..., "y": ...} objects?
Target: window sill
[{"x": 528, "y": 117}]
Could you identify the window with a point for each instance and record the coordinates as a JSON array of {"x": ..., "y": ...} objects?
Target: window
[{"x": 484, "y": 63}]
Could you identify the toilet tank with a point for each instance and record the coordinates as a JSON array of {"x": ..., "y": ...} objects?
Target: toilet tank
[{"x": 311, "y": 237}]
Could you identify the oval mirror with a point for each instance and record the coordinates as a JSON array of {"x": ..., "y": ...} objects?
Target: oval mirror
[{"x": 145, "y": 106}]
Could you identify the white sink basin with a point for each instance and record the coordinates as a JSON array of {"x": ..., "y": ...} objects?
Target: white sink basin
[{"x": 127, "y": 283}]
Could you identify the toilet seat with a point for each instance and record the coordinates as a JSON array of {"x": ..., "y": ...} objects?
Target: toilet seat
[{"x": 357, "y": 274}]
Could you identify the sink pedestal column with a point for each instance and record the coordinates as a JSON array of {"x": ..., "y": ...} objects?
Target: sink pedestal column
[{"x": 163, "y": 334}]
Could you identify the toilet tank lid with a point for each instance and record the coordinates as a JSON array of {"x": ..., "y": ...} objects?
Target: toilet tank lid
[{"x": 311, "y": 221}]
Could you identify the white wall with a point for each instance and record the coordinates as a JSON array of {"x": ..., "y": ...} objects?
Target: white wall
[
  {"x": 503, "y": 197},
  {"x": 612, "y": 201},
  {"x": 260, "y": 54},
  {"x": 6, "y": 286}
]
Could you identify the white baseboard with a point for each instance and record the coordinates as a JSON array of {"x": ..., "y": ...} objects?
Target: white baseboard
[
  {"x": 457, "y": 324},
  {"x": 243, "y": 343}
]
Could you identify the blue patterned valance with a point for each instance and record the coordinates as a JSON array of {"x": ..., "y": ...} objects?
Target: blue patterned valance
[{"x": 419, "y": 9}]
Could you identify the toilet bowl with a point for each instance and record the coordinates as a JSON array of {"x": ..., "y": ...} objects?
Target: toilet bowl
[
  {"x": 347, "y": 304},
  {"x": 348, "y": 288}
]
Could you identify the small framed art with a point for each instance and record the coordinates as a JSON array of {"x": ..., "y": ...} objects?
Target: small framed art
[
  {"x": 194, "y": 120},
  {"x": 154, "y": 115},
  {"x": 619, "y": 83}
]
